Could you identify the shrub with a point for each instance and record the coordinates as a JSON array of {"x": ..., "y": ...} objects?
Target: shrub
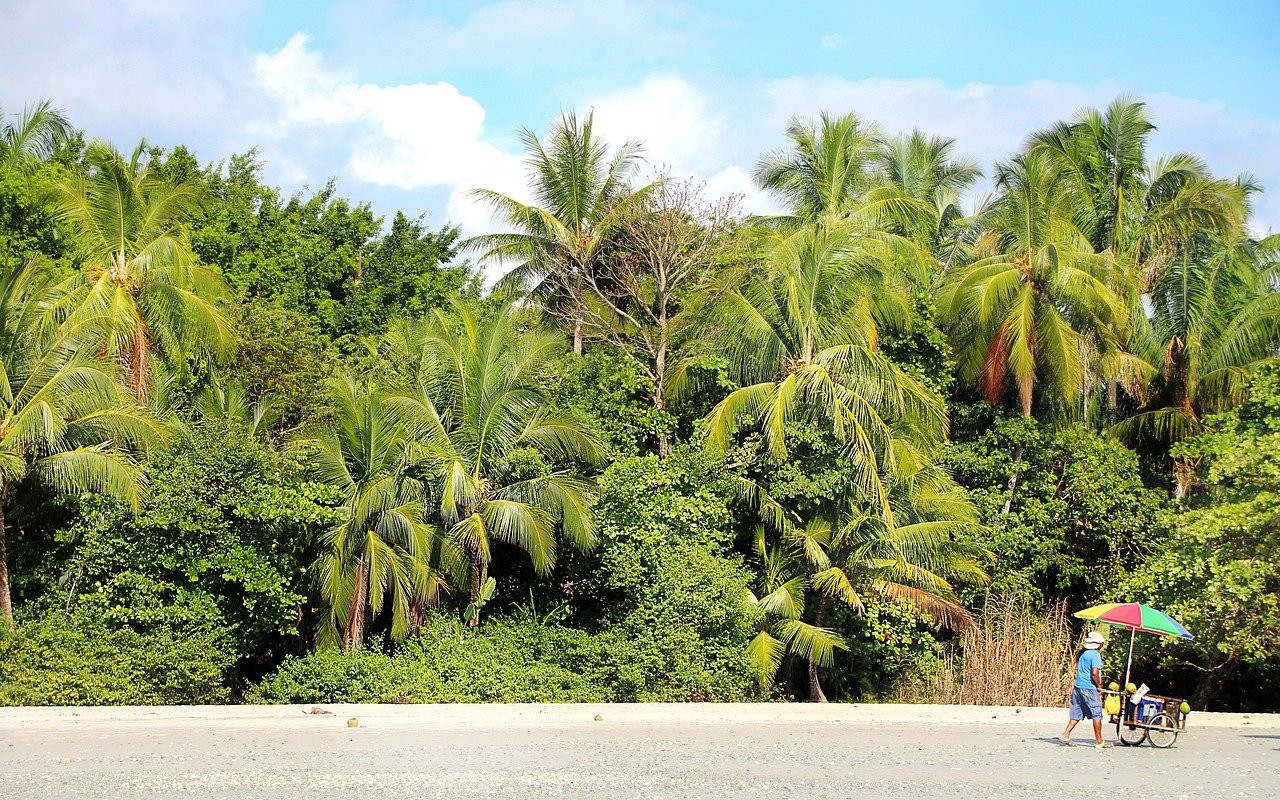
[
  {"x": 56, "y": 662},
  {"x": 504, "y": 661}
]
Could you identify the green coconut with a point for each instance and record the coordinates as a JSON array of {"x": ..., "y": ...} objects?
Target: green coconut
[
  {"x": 1185, "y": 708},
  {"x": 1115, "y": 687},
  {"x": 1130, "y": 688}
]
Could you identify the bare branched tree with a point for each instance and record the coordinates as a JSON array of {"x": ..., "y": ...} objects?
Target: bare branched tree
[{"x": 641, "y": 300}]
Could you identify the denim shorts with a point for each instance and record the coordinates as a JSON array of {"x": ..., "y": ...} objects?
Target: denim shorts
[{"x": 1086, "y": 703}]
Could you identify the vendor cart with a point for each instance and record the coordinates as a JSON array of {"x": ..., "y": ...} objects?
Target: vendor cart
[
  {"x": 1139, "y": 716},
  {"x": 1152, "y": 718}
]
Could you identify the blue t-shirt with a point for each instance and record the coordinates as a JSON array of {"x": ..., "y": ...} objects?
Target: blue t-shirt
[{"x": 1089, "y": 661}]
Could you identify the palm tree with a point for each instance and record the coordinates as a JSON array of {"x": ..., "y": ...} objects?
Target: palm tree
[
  {"x": 779, "y": 601},
  {"x": 139, "y": 271},
  {"x": 37, "y": 135},
  {"x": 384, "y": 553},
  {"x": 1134, "y": 212},
  {"x": 801, "y": 339},
  {"x": 924, "y": 169},
  {"x": 581, "y": 193},
  {"x": 910, "y": 556},
  {"x": 227, "y": 399},
  {"x": 1036, "y": 298},
  {"x": 471, "y": 393},
  {"x": 829, "y": 168},
  {"x": 65, "y": 422},
  {"x": 1215, "y": 313}
]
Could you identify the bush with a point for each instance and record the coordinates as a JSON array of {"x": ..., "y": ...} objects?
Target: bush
[
  {"x": 504, "y": 661},
  {"x": 666, "y": 582},
  {"x": 1080, "y": 518},
  {"x": 53, "y": 661}
]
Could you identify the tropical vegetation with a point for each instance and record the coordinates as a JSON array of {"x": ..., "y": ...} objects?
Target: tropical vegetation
[{"x": 269, "y": 448}]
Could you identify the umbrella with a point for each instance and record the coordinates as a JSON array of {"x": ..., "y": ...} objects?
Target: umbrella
[{"x": 1135, "y": 617}]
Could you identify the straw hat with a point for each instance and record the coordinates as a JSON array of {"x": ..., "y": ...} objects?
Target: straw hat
[{"x": 1094, "y": 640}]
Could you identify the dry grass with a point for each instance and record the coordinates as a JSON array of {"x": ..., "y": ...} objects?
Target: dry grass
[{"x": 1012, "y": 657}]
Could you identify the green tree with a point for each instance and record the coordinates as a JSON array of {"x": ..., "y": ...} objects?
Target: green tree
[
  {"x": 1035, "y": 299},
  {"x": 801, "y": 339},
  {"x": 64, "y": 421},
  {"x": 405, "y": 274},
  {"x": 1215, "y": 314},
  {"x": 1136, "y": 212},
  {"x": 384, "y": 553},
  {"x": 35, "y": 137},
  {"x": 1217, "y": 572},
  {"x": 910, "y": 556},
  {"x": 828, "y": 169},
  {"x": 924, "y": 169},
  {"x": 139, "y": 273},
  {"x": 499, "y": 456},
  {"x": 580, "y": 189},
  {"x": 219, "y": 545}
]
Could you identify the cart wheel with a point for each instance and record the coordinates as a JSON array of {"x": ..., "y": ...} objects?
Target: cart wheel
[
  {"x": 1132, "y": 736},
  {"x": 1163, "y": 732}
]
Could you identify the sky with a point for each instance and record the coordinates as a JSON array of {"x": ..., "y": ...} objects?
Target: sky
[{"x": 410, "y": 105}]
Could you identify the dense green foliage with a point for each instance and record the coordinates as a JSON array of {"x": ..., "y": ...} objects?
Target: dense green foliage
[{"x": 282, "y": 449}]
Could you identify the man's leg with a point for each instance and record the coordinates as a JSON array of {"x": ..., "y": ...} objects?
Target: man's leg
[{"x": 1097, "y": 731}]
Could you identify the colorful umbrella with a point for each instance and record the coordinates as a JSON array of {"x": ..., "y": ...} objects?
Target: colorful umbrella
[{"x": 1135, "y": 617}]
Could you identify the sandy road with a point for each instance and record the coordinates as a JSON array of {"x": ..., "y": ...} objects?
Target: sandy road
[{"x": 643, "y": 751}]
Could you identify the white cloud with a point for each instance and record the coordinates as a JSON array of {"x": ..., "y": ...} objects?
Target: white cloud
[
  {"x": 515, "y": 36},
  {"x": 685, "y": 130},
  {"x": 411, "y": 136},
  {"x": 718, "y": 133},
  {"x": 173, "y": 71},
  {"x": 830, "y": 42}
]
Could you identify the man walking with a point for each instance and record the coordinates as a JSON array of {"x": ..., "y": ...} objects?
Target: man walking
[{"x": 1086, "y": 694}]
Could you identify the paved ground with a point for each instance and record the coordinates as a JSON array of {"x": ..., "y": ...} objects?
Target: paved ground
[{"x": 645, "y": 751}]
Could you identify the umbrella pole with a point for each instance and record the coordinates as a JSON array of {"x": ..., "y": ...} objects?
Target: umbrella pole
[{"x": 1128, "y": 665}]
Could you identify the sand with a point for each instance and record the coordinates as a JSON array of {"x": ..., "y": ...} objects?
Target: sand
[{"x": 632, "y": 751}]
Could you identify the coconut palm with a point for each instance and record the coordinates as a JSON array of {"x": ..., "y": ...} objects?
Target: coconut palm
[
  {"x": 779, "y": 600},
  {"x": 1215, "y": 313},
  {"x": 1136, "y": 212},
  {"x": 911, "y": 556},
  {"x": 471, "y": 391},
  {"x": 65, "y": 421},
  {"x": 829, "y": 168},
  {"x": 139, "y": 272},
  {"x": 925, "y": 169},
  {"x": 581, "y": 192},
  {"x": 384, "y": 555},
  {"x": 226, "y": 399},
  {"x": 1036, "y": 298},
  {"x": 800, "y": 338},
  {"x": 36, "y": 135}
]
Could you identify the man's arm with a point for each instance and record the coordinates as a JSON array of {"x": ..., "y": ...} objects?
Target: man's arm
[{"x": 1097, "y": 678}]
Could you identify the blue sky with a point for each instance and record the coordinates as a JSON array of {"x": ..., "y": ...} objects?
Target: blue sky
[{"x": 411, "y": 104}]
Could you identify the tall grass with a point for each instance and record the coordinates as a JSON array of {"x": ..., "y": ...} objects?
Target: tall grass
[{"x": 1012, "y": 656}]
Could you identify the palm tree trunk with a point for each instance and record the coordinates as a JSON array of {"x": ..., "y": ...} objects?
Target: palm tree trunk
[
  {"x": 479, "y": 573},
  {"x": 353, "y": 637},
  {"x": 6, "y": 602},
  {"x": 1112, "y": 402},
  {"x": 815, "y": 688}
]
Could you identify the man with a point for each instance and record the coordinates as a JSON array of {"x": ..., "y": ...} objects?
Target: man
[{"x": 1086, "y": 694}]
